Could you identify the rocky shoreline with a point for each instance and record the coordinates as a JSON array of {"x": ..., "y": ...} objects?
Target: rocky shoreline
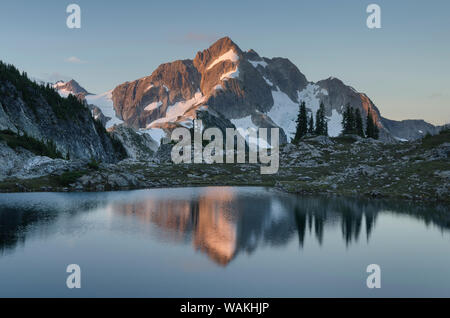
[{"x": 348, "y": 166}]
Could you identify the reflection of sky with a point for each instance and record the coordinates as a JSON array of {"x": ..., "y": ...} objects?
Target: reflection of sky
[{"x": 169, "y": 242}]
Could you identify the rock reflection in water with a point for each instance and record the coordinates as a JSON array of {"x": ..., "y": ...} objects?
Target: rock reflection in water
[
  {"x": 218, "y": 221},
  {"x": 222, "y": 222}
]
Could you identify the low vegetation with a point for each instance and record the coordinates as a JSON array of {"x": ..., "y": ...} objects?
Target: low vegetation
[{"x": 38, "y": 147}]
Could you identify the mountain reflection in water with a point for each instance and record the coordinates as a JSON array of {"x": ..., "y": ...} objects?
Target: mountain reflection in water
[{"x": 221, "y": 222}]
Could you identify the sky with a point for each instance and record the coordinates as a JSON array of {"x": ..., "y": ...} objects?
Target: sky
[{"x": 403, "y": 67}]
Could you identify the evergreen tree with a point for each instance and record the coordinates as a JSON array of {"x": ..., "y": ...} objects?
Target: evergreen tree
[
  {"x": 302, "y": 123},
  {"x": 318, "y": 122},
  {"x": 359, "y": 129},
  {"x": 345, "y": 120},
  {"x": 370, "y": 127},
  {"x": 321, "y": 123},
  {"x": 376, "y": 132},
  {"x": 348, "y": 121},
  {"x": 311, "y": 125}
]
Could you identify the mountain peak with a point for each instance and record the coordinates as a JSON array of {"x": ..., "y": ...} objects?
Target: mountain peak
[
  {"x": 252, "y": 55},
  {"x": 224, "y": 43},
  {"x": 217, "y": 49},
  {"x": 70, "y": 87}
]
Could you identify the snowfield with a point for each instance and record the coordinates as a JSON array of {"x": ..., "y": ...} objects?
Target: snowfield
[
  {"x": 105, "y": 103},
  {"x": 178, "y": 109},
  {"x": 231, "y": 74},
  {"x": 334, "y": 124},
  {"x": 153, "y": 106},
  {"x": 230, "y": 55},
  {"x": 284, "y": 110},
  {"x": 256, "y": 63}
]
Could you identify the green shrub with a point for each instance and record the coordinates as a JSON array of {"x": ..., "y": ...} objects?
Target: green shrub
[
  {"x": 38, "y": 147},
  {"x": 93, "y": 164},
  {"x": 69, "y": 177}
]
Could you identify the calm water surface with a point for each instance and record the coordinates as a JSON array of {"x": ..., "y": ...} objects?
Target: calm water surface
[{"x": 220, "y": 241}]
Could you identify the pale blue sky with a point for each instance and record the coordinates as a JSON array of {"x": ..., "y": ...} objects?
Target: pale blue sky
[{"x": 403, "y": 67}]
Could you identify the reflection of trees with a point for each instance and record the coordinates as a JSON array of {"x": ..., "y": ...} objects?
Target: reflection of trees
[
  {"x": 18, "y": 218},
  {"x": 220, "y": 222},
  {"x": 222, "y": 226},
  {"x": 318, "y": 212}
]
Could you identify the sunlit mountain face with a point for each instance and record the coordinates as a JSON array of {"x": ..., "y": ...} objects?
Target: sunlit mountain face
[{"x": 209, "y": 220}]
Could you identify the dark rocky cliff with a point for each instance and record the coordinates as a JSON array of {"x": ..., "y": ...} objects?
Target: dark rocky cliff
[{"x": 40, "y": 112}]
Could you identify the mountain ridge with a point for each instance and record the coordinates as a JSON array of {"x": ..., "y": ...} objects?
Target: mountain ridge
[{"x": 247, "y": 89}]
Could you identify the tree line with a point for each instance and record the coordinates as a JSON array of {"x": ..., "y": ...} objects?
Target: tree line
[
  {"x": 352, "y": 123},
  {"x": 306, "y": 125}
]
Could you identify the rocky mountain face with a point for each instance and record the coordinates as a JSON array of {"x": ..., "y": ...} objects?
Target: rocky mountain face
[
  {"x": 410, "y": 129},
  {"x": 38, "y": 111},
  {"x": 139, "y": 147},
  {"x": 247, "y": 89}
]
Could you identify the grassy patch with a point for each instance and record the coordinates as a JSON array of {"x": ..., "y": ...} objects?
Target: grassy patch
[{"x": 433, "y": 141}]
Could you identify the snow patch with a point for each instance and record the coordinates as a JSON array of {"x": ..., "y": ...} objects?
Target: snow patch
[
  {"x": 64, "y": 92},
  {"x": 153, "y": 106},
  {"x": 231, "y": 74},
  {"x": 105, "y": 103},
  {"x": 284, "y": 112},
  {"x": 149, "y": 87},
  {"x": 245, "y": 124},
  {"x": 334, "y": 124},
  {"x": 256, "y": 63},
  {"x": 268, "y": 82},
  {"x": 188, "y": 124},
  {"x": 178, "y": 109},
  {"x": 309, "y": 95},
  {"x": 230, "y": 55}
]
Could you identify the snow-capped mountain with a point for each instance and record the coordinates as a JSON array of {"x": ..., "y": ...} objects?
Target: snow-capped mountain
[
  {"x": 246, "y": 89},
  {"x": 70, "y": 87},
  {"x": 249, "y": 90},
  {"x": 101, "y": 105},
  {"x": 102, "y": 109}
]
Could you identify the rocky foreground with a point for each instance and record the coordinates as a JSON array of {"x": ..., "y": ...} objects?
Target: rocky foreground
[{"x": 345, "y": 165}]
